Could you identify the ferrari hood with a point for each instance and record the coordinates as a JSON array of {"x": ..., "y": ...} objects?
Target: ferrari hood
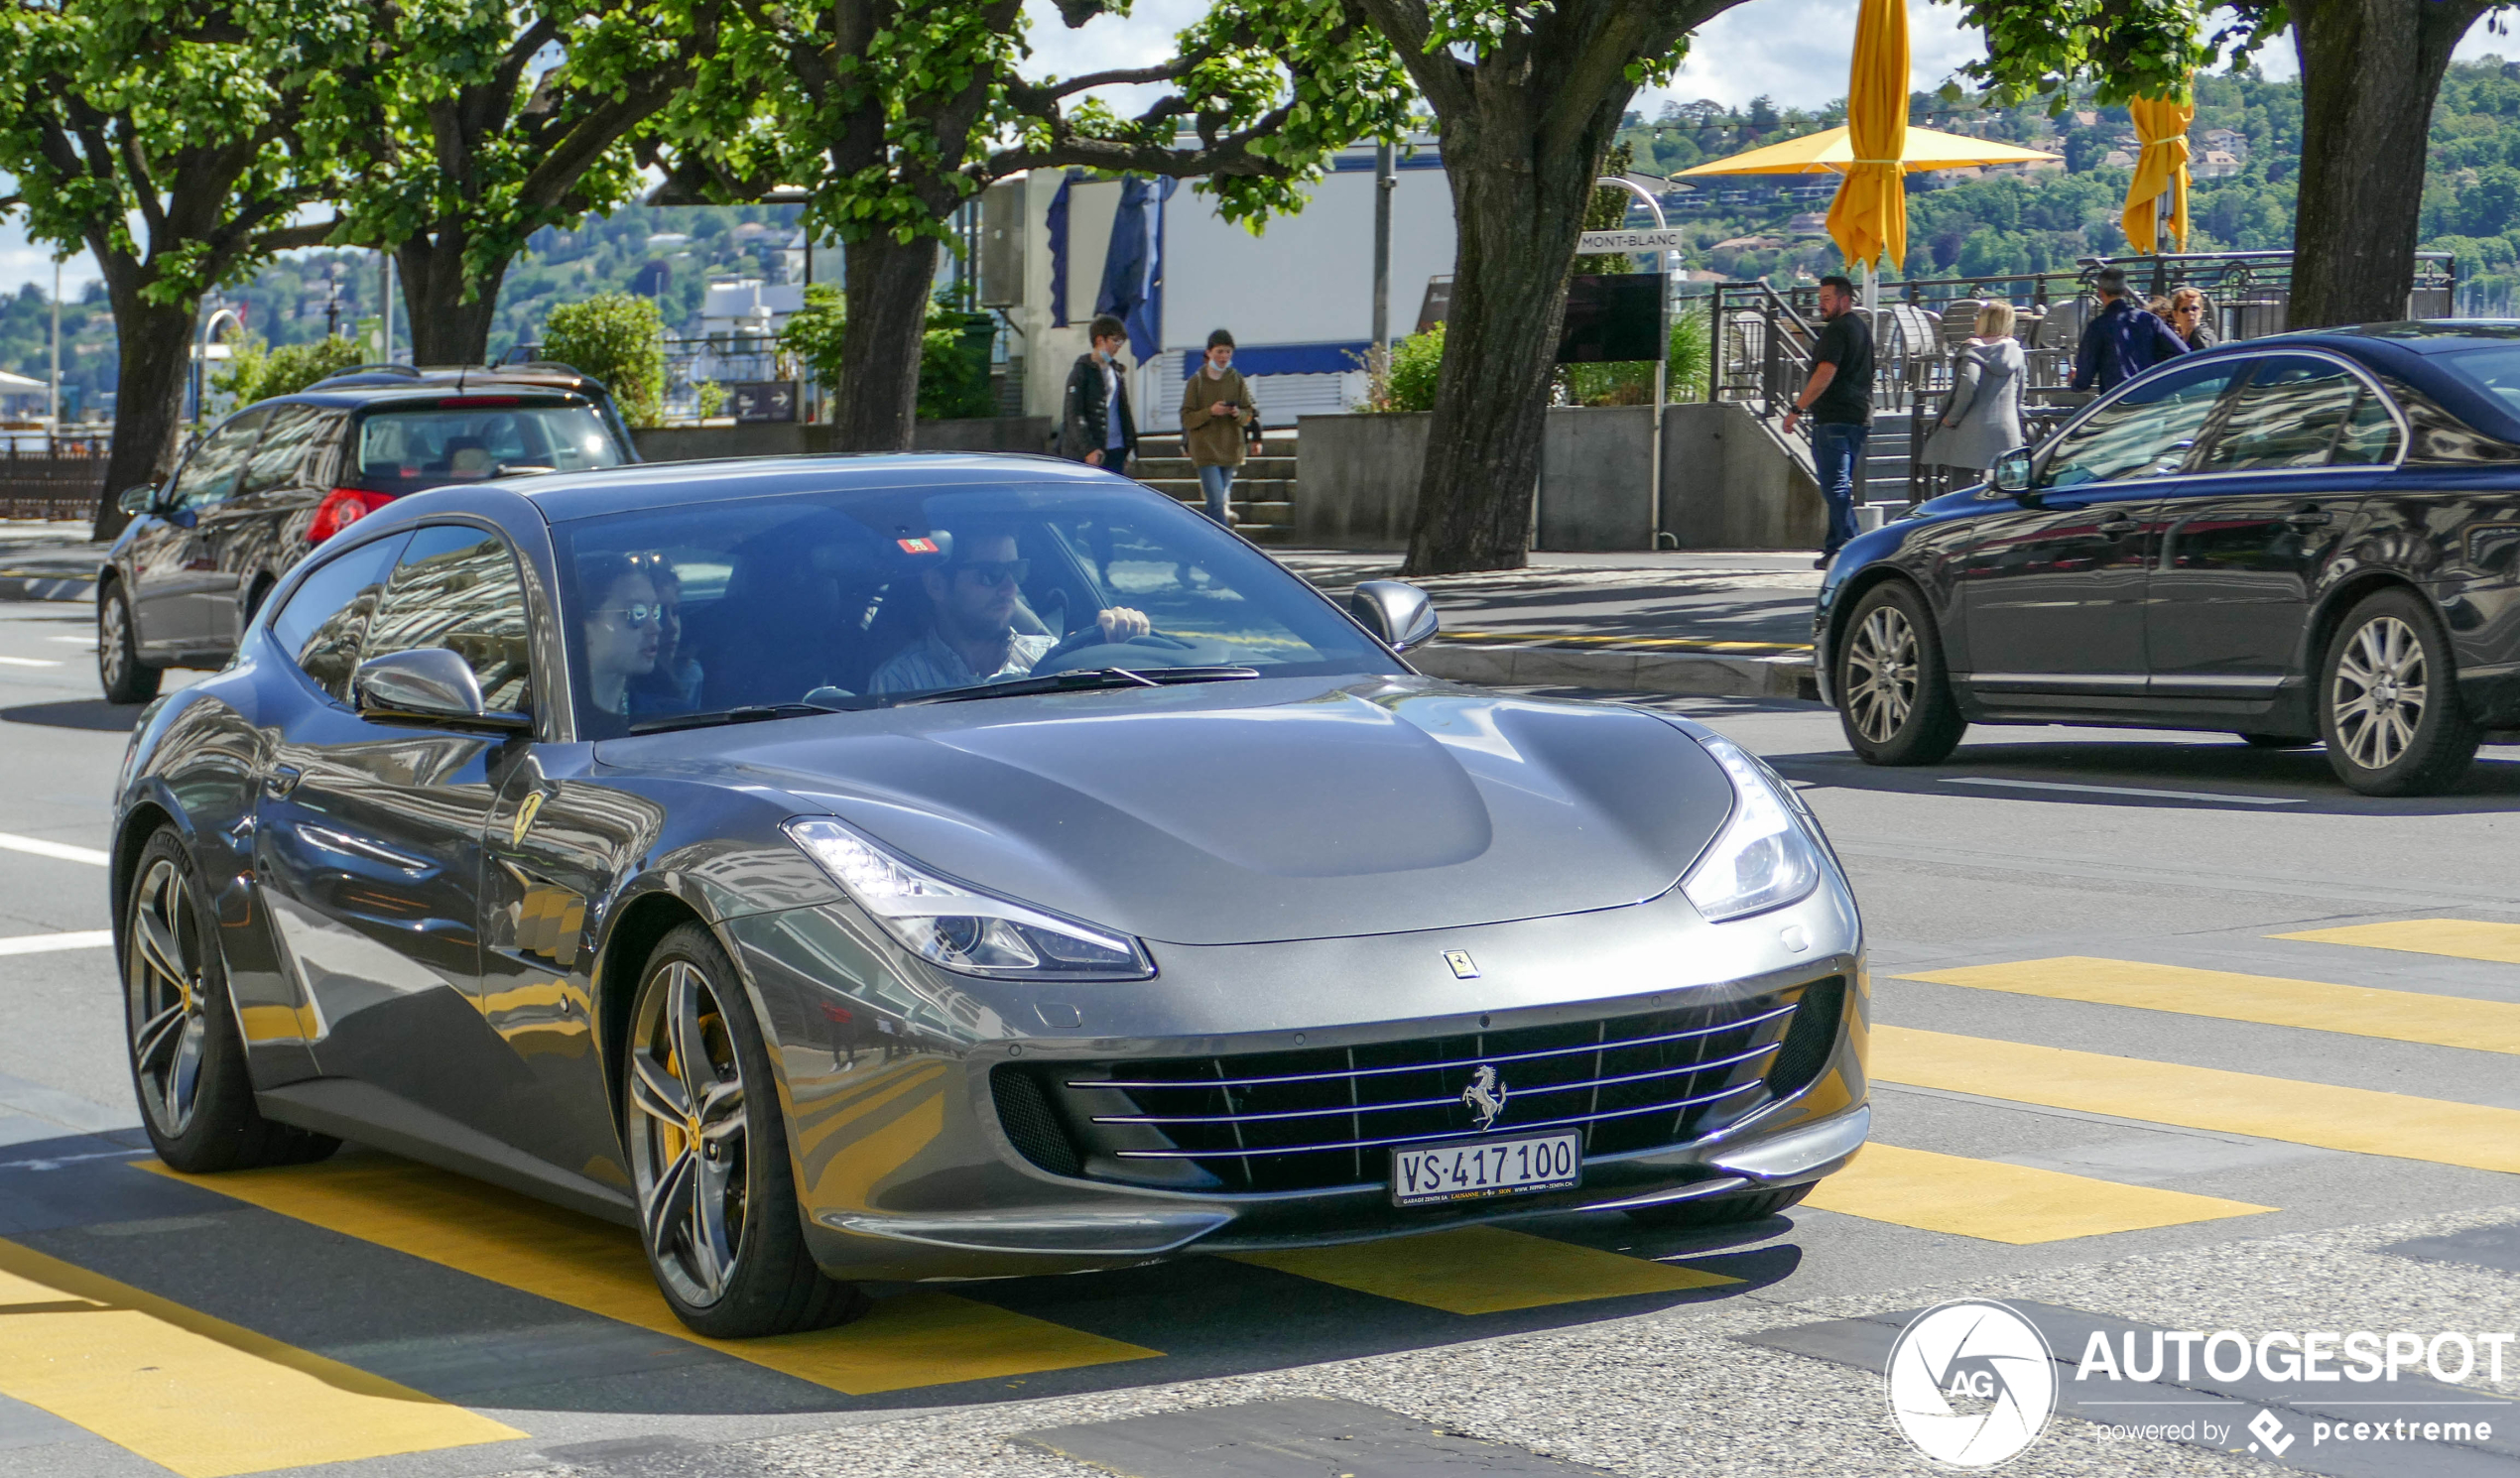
[{"x": 1250, "y": 811}]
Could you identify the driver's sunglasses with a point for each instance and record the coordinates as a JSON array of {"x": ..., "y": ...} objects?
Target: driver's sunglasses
[
  {"x": 997, "y": 571},
  {"x": 636, "y": 615}
]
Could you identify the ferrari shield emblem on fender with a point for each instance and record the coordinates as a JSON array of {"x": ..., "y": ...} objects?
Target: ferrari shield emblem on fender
[
  {"x": 1459, "y": 960},
  {"x": 525, "y": 816}
]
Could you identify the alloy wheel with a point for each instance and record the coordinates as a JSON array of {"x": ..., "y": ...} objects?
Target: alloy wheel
[
  {"x": 687, "y": 1136},
  {"x": 2379, "y": 694},
  {"x": 113, "y": 627},
  {"x": 169, "y": 1004},
  {"x": 1881, "y": 674}
]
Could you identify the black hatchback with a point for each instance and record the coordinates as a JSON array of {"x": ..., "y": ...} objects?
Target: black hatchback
[
  {"x": 2301, "y": 539},
  {"x": 280, "y": 476}
]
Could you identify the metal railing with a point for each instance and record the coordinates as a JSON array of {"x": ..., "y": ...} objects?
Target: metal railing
[{"x": 44, "y": 475}]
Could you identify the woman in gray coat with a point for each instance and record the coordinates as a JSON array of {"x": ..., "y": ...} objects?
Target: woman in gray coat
[{"x": 1983, "y": 419}]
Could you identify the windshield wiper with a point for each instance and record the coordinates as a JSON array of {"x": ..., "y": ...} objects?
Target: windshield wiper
[
  {"x": 1082, "y": 681},
  {"x": 743, "y": 713}
]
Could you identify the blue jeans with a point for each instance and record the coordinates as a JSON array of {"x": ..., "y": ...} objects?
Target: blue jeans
[
  {"x": 1218, "y": 483},
  {"x": 1837, "y": 450}
]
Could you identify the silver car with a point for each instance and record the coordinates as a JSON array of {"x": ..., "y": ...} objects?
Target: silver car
[{"x": 942, "y": 867}]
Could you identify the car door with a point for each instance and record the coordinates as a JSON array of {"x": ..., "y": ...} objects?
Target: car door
[
  {"x": 2052, "y": 592},
  {"x": 173, "y": 563},
  {"x": 245, "y": 533},
  {"x": 368, "y": 838},
  {"x": 2245, "y": 535}
]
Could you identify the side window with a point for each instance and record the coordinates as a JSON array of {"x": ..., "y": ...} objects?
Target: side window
[
  {"x": 328, "y": 612},
  {"x": 2371, "y": 434},
  {"x": 281, "y": 457},
  {"x": 457, "y": 587},
  {"x": 2145, "y": 432},
  {"x": 2286, "y": 416},
  {"x": 210, "y": 475}
]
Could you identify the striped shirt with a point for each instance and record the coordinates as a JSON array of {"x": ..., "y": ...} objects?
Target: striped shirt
[{"x": 930, "y": 663}]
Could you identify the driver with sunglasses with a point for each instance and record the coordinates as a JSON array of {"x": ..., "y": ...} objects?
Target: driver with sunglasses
[{"x": 971, "y": 637}]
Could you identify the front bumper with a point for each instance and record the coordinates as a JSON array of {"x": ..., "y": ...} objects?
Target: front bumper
[{"x": 906, "y": 1167}]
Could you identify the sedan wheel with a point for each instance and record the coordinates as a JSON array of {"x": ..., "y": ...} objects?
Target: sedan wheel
[
  {"x": 709, "y": 1151},
  {"x": 2391, "y": 714},
  {"x": 124, "y": 677},
  {"x": 188, "y": 1062},
  {"x": 1893, "y": 700}
]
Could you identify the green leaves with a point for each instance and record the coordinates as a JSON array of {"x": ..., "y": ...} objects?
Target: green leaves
[
  {"x": 618, "y": 338},
  {"x": 2125, "y": 49}
]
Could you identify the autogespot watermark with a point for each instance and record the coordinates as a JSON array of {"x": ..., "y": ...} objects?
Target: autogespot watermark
[{"x": 1975, "y": 1382}]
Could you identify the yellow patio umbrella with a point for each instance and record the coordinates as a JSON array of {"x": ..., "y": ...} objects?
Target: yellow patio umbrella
[
  {"x": 2161, "y": 124},
  {"x": 1870, "y": 214},
  {"x": 1830, "y": 150}
]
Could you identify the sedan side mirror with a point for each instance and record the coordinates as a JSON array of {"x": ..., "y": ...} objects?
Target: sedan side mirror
[
  {"x": 1402, "y": 615},
  {"x": 138, "y": 500},
  {"x": 2011, "y": 472},
  {"x": 429, "y": 684}
]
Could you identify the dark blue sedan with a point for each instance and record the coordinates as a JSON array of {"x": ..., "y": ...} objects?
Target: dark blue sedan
[{"x": 2308, "y": 538}]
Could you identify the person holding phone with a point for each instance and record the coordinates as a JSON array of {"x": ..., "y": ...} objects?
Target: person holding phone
[{"x": 1217, "y": 409}]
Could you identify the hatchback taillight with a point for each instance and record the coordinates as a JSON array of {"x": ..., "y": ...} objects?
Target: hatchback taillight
[{"x": 341, "y": 508}]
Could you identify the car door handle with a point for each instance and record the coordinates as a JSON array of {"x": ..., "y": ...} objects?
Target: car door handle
[
  {"x": 2308, "y": 518},
  {"x": 279, "y": 780},
  {"x": 2119, "y": 526}
]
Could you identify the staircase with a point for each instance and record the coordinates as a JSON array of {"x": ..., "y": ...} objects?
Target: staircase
[
  {"x": 1264, "y": 486},
  {"x": 1883, "y": 478}
]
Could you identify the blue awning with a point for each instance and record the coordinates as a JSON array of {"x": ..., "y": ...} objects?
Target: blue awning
[{"x": 1289, "y": 359}]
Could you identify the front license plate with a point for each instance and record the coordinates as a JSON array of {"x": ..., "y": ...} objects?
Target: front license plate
[{"x": 1473, "y": 1169}]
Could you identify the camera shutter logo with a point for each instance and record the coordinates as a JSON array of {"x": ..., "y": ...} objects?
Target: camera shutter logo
[{"x": 1972, "y": 1383}]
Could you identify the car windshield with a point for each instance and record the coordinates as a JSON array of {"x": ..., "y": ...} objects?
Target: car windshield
[
  {"x": 481, "y": 438},
  {"x": 867, "y": 598}
]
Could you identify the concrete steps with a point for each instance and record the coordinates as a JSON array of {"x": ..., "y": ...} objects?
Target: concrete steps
[{"x": 1264, "y": 486}]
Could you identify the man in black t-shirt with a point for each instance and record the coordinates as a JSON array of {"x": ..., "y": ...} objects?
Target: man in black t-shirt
[{"x": 1839, "y": 399}]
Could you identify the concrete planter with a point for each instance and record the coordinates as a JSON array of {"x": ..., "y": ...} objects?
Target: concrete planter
[
  {"x": 1727, "y": 482},
  {"x": 684, "y": 444}
]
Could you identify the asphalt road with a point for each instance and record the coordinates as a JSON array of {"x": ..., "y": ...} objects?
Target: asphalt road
[{"x": 2168, "y": 1031}]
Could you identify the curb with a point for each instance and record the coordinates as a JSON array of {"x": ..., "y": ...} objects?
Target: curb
[{"x": 1687, "y": 673}]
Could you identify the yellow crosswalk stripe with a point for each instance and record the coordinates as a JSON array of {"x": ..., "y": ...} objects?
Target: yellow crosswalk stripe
[
  {"x": 1998, "y": 1202},
  {"x": 2399, "y": 1016},
  {"x": 2459, "y": 939},
  {"x": 2274, "y": 1108},
  {"x": 918, "y": 1338},
  {"x": 1483, "y": 1270},
  {"x": 196, "y": 1394}
]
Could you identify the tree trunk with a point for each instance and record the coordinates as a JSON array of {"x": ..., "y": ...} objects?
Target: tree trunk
[
  {"x": 2370, "y": 69},
  {"x": 877, "y": 398},
  {"x": 156, "y": 340},
  {"x": 1516, "y": 215},
  {"x": 444, "y": 329}
]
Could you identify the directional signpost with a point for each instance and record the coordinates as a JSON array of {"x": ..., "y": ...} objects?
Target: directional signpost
[
  {"x": 1598, "y": 243},
  {"x": 1661, "y": 241}
]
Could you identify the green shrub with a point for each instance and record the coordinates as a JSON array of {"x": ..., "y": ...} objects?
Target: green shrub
[
  {"x": 953, "y": 365},
  {"x": 812, "y": 335},
  {"x": 711, "y": 397},
  {"x": 1407, "y": 381},
  {"x": 1632, "y": 384},
  {"x": 256, "y": 372},
  {"x": 618, "y": 338}
]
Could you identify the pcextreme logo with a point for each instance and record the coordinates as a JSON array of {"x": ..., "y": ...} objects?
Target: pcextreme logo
[{"x": 1972, "y": 1383}]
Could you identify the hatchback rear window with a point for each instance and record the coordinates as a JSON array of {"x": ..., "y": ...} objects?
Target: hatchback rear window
[{"x": 402, "y": 452}]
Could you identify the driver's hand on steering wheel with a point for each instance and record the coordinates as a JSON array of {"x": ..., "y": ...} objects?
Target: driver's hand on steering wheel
[{"x": 1121, "y": 623}]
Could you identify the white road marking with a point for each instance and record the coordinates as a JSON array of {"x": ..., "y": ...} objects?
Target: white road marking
[
  {"x": 88, "y": 642},
  {"x": 83, "y": 939},
  {"x": 28, "y": 661},
  {"x": 58, "y": 850},
  {"x": 2049, "y": 785}
]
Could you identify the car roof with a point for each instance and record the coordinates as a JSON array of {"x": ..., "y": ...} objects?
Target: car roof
[
  {"x": 371, "y": 385},
  {"x": 563, "y": 496}
]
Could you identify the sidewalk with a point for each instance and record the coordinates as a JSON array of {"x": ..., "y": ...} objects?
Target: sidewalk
[
  {"x": 42, "y": 561},
  {"x": 1697, "y": 621}
]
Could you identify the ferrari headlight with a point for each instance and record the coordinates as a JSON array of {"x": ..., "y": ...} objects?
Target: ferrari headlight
[
  {"x": 1765, "y": 857},
  {"x": 960, "y": 927}
]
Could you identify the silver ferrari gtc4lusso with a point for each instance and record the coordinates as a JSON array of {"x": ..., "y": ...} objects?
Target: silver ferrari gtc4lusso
[{"x": 920, "y": 867}]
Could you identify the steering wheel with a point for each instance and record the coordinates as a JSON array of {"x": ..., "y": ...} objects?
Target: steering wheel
[{"x": 1090, "y": 649}]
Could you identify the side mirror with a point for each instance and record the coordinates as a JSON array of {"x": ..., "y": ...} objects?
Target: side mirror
[
  {"x": 429, "y": 684},
  {"x": 137, "y": 500},
  {"x": 2011, "y": 472},
  {"x": 1402, "y": 615}
]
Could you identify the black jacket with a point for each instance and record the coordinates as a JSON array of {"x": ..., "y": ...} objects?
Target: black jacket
[{"x": 1083, "y": 421}]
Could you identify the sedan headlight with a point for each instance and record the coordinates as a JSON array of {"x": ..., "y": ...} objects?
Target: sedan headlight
[
  {"x": 960, "y": 927},
  {"x": 1765, "y": 857}
]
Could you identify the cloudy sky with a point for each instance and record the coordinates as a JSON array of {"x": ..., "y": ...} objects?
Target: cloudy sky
[{"x": 1793, "y": 51}]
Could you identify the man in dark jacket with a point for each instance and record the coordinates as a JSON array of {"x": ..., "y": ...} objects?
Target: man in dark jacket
[
  {"x": 1094, "y": 423},
  {"x": 2125, "y": 340}
]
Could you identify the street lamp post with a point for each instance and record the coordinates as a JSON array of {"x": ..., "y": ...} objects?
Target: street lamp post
[
  {"x": 201, "y": 359},
  {"x": 1662, "y": 364}
]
